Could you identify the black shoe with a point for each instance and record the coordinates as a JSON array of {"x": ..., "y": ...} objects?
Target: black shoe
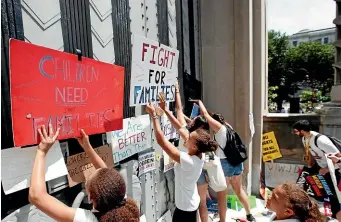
[{"x": 250, "y": 218}]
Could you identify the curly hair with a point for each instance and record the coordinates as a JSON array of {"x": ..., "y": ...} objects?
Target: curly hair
[
  {"x": 218, "y": 117},
  {"x": 298, "y": 200},
  {"x": 107, "y": 190},
  {"x": 204, "y": 142}
]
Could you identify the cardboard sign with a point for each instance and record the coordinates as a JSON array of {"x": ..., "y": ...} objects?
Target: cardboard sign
[
  {"x": 270, "y": 148},
  {"x": 154, "y": 69},
  {"x": 80, "y": 167},
  {"x": 49, "y": 86},
  {"x": 279, "y": 173},
  {"x": 17, "y": 164},
  {"x": 133, "y": 138},
  {"x": 146, "y": 163}
]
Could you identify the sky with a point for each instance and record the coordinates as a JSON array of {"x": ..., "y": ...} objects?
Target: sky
[{"x": 292, "y": 16}]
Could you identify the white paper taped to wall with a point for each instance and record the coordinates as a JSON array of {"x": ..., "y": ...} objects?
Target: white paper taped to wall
[{"x": 17, "y": 164}]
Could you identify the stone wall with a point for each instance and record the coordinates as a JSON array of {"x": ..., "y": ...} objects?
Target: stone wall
[{"x": 290, "y": 145}]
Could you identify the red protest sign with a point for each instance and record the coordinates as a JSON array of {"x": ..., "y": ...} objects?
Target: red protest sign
[{"x": 49, "y": 86}]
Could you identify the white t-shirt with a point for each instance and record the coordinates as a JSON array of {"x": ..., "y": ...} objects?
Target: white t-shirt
[
  {"x": 83, "y": 215},
  {"x": 273, "y": 216},
  {"x": 187, "y": 173},
  {"x": 324, "y": 144},
  {"x": 220, "y": 137}
]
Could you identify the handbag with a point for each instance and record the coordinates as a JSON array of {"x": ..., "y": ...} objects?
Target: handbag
[{"x": 215, "y": 173}]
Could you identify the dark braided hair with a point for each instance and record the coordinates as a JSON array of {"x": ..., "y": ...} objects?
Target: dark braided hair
[
  {"x": 107, "y": 190},
  {"x": 298, "y": 200},
  {"x": 204, "y": 142}
]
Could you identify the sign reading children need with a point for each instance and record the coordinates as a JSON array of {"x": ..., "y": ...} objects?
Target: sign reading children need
[
  {"x": 154, "y": 69},
  {"x": 53, "y": 87}
]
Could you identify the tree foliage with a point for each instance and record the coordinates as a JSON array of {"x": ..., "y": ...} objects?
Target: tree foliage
[{"x": 293, "y": 68}]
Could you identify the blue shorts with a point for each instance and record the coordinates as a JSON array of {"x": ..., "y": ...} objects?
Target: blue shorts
[{"x": 228, "y": 169}]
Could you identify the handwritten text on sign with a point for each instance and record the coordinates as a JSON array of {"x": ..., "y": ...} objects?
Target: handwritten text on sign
[
  {"x": 49, "y": 86},
  {"x": 133, "y": 138},
  {"x": 154, "y": 69},
  {"x": 80, "y": 167},
  {"x": 270, "y": 147},
  {"x": 146, "y": 162},
  {"x": 279, "y": 173}
]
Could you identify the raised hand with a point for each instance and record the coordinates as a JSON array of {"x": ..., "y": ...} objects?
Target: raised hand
[
  {"x": 162, "y": 103},
  {"x": 47, "y": 140},
  {"x": 84, "y": 140},
  {"x": 150, "y": 109}
]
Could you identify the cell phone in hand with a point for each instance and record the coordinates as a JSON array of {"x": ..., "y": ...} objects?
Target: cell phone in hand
[{"x": 195, "y": 111}]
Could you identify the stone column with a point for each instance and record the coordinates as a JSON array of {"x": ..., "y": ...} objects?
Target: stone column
[
  {"x": 331, "y": 111},
  {"x": 233, "y": 68},
  {"x": 259, "y": 87}
]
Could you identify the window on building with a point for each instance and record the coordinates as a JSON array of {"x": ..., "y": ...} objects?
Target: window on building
[
  {"x": 325, "y": 40},
  {"x": 294, "y": 43},
  {"x": 318, "y": 40}
]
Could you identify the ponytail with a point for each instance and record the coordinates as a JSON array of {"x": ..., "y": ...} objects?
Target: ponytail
[
  {"x": 204, "y": 142},
  {"x": 126, "y": 211},
  {"x": 305, "y": 210}
]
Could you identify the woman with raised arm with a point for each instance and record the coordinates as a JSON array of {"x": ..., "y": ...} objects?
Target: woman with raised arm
[
  {"x": 187, "y": 168},
  {"x": 290, "y": 203},
  {"x": 105, "y": 187},
  {"x": 233, "y": 174}
]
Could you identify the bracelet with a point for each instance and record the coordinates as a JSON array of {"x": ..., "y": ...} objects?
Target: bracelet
[
  {"x": 177, "y": 91},
  {"x": 155, "y": 116}
]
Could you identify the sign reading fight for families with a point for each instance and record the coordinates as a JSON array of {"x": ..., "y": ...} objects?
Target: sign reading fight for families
[
  {"x": 53, "y": 87},
  {"x": 146, "y": 163},
  {"x": 270, "y": 148},
  {"x": 80, "y": 167},
  {"x": 133, "y": 138},
  {"x": 154, "y": 69}
]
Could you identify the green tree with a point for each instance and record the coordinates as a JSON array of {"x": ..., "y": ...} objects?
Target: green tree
[
  {"x": 293, "y": 68},
  {"x": 311, "y": 64},
  {"x": 277, "y": 48}
]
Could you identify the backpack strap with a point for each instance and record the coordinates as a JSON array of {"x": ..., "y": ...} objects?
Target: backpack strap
[
  {"x": 315, "y": 141},
  {"x": 316, "y": 138}
]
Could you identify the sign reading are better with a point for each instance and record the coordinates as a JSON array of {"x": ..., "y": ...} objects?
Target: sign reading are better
[
  {"x": 53, "y": 87},
  {"x": 135, "y": 137},
  {"x": 154, "y": 69}
]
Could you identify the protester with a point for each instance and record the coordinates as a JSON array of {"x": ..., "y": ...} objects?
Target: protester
[
  {"x": 290, "y": 203},
  {"x": 188, "y": 166},
  {"x": 105, "y": 187},
  {"x": 233, "y": 174},
  {"x": 316, "y": 147}
]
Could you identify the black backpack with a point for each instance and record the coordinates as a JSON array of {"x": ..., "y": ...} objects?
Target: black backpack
[
  {"x": 234, "y": 150},
  {"x": 335, "y": 141}
]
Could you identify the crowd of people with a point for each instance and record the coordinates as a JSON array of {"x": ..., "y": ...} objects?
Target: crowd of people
[{"x": 106, "y": 188}]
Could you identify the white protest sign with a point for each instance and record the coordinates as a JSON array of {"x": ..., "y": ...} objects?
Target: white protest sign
[
  {"x": 167, "y": 217},
  {"x": 154, "y": 69},
  {"x": 146, "y": 163},
  {"x": 167, "y": 128},
  {"x": 17, "y": 164},
  {"x": 168, "y": 162},
  {"x": 332, "y": 175},
  {"x": 279, "y": 173},
  {"x": 133, "y": 138}
]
